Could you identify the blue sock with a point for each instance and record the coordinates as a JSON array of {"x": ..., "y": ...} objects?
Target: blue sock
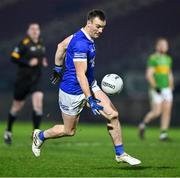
[
  {"x": 119, "y": 149},
  {"x": 41, "y": 136}
]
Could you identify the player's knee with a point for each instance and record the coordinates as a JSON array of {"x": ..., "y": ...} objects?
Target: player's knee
[
  {"x": 38, "y": 110},
  {"x": 15, "y": 110},
  {"x": 70, "y": 132},
  {"x": 38, "y": 107},
  {"x": 16, "y": 107},
  {"x": 157, "y": 113},
  {"x": 113, "y": 115},
  {"x": 38, "y": 113},
  {"x": 116, "y": 114}
]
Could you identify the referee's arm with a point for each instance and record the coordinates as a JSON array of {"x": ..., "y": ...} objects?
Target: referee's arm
[{"x": 17, "y": 55}]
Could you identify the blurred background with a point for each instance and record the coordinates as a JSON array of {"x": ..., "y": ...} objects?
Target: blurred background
[{"x": 127, "y": 41}]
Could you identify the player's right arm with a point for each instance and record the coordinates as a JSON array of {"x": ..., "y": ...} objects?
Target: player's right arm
[
  {"x": 150, "y": 73},
  {"x": 150, "y": 77},
  {"x": 59, "y": 59},
  {"x": 61, "y": 51}
]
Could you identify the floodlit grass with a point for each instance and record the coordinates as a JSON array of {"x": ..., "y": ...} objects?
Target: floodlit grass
[{"x": 90, "y": 154}]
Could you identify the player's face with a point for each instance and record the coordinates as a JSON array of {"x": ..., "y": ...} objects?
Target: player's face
[
  {"x": 162, "y": 46},
  {"x": 34, "y": 31},
  {"x": 96, "y": 27}
]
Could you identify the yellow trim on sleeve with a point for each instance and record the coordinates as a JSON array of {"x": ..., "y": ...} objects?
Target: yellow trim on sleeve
[
  {"x": 15, "y": 55},
  {"x": 26, "y": 41}
]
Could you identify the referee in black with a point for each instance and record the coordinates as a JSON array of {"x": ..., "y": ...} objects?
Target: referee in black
[{"x": 29, "y": 56}]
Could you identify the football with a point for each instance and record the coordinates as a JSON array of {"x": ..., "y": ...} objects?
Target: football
[{"x": 112, "y": 84}]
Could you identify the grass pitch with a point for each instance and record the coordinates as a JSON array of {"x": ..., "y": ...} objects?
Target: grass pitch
[{"x": 89, "y": 154}]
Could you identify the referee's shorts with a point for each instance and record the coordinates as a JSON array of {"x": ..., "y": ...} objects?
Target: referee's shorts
[{"x": 24, "y": 87}]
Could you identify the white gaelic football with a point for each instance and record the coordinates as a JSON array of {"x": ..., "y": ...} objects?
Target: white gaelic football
[{"x": 112, "y": 84}]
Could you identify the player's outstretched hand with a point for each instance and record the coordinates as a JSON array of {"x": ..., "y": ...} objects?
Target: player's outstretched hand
[
  {"x": 56, "y": 75},
  {"x": 95, "y": 107}
]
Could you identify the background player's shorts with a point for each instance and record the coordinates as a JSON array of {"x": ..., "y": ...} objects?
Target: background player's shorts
[
  {"x": 165, "y": 95},
  {"x": 73, "y": 104}
]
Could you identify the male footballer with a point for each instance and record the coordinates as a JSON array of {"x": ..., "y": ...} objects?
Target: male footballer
[
  {"x": 78, "y": 87},
  {"x": 160, "y": 77}
]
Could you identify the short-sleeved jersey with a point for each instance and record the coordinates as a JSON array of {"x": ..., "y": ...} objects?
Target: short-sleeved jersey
[
  {"x": 80, "y": 48},
  {"x": 162, "y": 63}
]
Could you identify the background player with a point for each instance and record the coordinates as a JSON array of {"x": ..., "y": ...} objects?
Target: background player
[
  {"x": 29, "y": 56},
  {"x": 160, "y": 77},
  {"x": 79, "y": 86}
]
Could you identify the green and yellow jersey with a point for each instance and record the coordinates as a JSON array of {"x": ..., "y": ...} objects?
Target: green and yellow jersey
[{"x": 162, "y": 64}]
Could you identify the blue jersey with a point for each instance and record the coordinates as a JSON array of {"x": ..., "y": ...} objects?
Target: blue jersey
[{"x": 80, "y": 48}]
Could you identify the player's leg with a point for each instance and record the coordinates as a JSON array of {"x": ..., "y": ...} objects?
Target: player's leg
[
  {"x": 12, "y": 116},
  {"x": 15, "y": 108},
  {"x": 37, "y": 102},
  {"x": 165, "y": 119},
  {"x": 20, "y": 93},
  {"x": 166, "y": 113},
  {"x": 67, "y": 129},
  {"x": 114, "y": 128},
  {"x": 154, "y": 113},
  {"x": 21, "y": 90},
  {"x": 71, "y": 106},
  {"x": 110, "y": 112}
]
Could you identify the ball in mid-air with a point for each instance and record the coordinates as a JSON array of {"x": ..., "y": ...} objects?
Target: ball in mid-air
[{"x": 112, "y": 84}]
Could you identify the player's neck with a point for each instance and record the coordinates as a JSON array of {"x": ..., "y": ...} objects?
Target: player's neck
[
  {"x": 86, "y": 29},
  {"x": 161, "y": 53}
]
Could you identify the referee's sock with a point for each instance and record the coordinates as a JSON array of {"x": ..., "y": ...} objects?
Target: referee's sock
[
  {"x": 36, "y": 118},
  {"x": 11, "y": 118}
]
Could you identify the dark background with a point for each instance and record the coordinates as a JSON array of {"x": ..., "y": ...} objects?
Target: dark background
[{"x": 127, "y": 41}]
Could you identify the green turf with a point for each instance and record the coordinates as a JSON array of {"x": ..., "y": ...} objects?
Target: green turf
[{"x": 90, "y": 153}]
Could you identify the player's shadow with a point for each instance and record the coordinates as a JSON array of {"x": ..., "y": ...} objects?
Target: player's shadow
[
  {"x": 147, "y": 167},
  {"x": 138, "y": 167}
]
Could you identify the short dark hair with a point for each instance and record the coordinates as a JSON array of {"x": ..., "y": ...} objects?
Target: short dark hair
[{"x": 96, "y": 13}]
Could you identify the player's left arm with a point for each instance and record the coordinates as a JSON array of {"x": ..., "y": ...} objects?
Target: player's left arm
[
  {"x": 171, "y": 80},
  {"x": 81, "y": 68},
  {"x": 80, "y": 60},
  {"x": 171, "y": 76}
]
